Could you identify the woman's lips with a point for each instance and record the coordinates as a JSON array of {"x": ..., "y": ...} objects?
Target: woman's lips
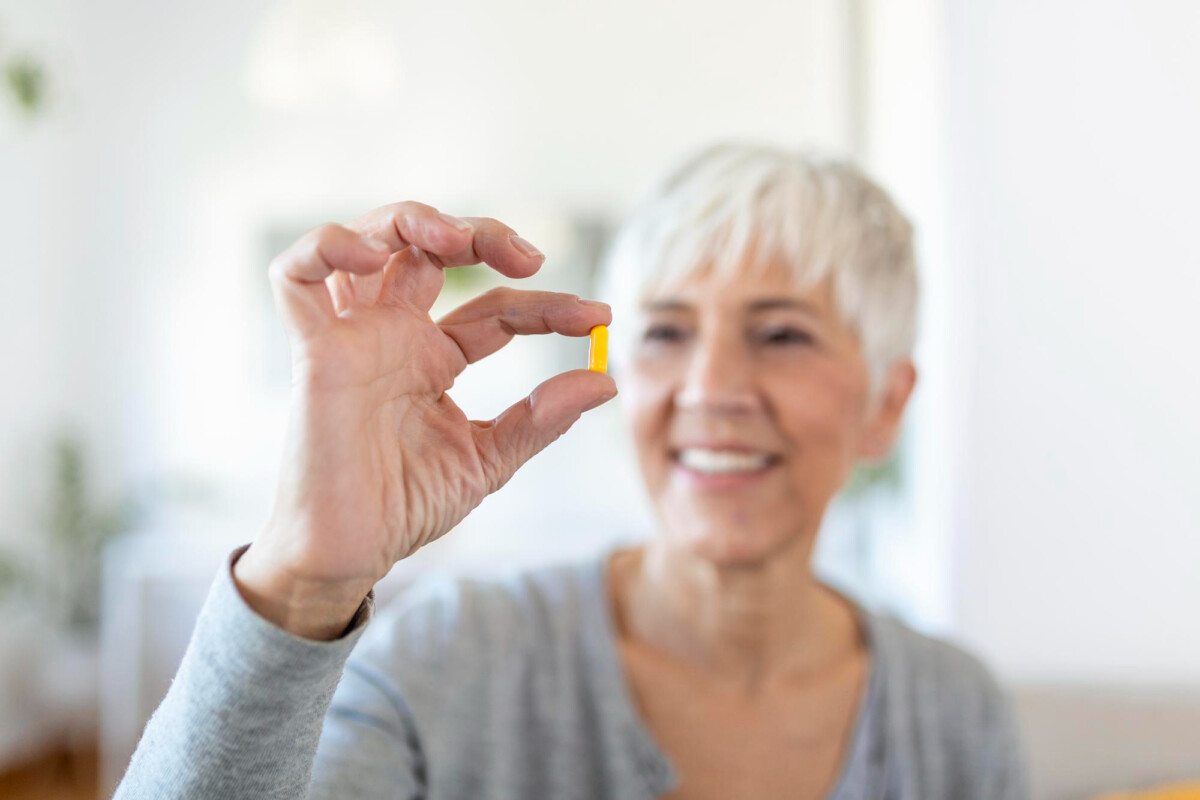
[{"x": 722, "y": 467}]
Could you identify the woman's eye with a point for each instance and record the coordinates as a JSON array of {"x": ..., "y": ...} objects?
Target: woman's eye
[
  {"x": 663, "y": 333},
  {"x": 786, "y": 336}
]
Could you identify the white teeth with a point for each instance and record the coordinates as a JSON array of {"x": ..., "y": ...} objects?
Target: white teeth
[{"x": 722, "y": 462}]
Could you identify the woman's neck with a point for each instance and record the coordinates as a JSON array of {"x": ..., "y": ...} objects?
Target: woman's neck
[{"x": 751, "y": 624}]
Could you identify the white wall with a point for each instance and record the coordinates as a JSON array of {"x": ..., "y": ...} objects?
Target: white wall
[
  {"x": 134, "y": 212},
  {"x": 1072, "y": 204},
  {"x": 1061, "y": 313},
  {"x": 903, "y": 146},
  {"x": 35, "y": 235}
]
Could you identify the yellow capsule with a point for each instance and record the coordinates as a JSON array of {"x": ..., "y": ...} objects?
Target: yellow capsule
[{"x": 598, "y": 349}]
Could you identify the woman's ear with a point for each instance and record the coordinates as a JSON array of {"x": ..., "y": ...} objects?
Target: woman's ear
[{"x": 883, "y": 423}]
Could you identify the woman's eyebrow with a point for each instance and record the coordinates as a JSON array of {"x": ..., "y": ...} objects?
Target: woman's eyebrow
[
  {"x": 763, "y": 304},
  {"x": 772, "y": 303},
  {"x": 667, "y": 305}
]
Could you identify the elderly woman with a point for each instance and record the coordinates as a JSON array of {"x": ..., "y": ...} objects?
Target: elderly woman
[{"x": 766, "y": 352}]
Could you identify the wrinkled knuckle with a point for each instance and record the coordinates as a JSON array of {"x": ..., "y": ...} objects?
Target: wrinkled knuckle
[
  {"x": 416, "y": 207},
  {"x": 501, "y": 295},
  {"x": 492, "y": 472},
  {"x": 277, "y": 269},
  {"x": 325, "y": 233}
]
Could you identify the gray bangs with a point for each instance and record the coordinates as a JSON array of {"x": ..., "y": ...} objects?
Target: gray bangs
[
  {"x": 750, "y": 228},
  {"x": 741, "y": 210}
]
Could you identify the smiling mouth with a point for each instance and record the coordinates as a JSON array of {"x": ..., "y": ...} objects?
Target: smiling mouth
[{"x": 708, "y": 461}]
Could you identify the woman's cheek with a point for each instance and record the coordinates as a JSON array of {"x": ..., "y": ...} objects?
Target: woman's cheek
[
  {"x": 817, "y": 418},
  {"x": 647, "y": 386},
  {"x": 646, "y": 398}
]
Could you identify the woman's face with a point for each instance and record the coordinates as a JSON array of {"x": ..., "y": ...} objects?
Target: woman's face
[{"x": 749, "y": 404}]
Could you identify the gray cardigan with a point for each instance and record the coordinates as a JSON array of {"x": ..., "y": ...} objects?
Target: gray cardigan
[{"x": 514, "y": 690}]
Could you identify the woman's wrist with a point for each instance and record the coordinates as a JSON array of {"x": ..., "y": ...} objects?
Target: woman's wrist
[{"x": 310, "y": 609}]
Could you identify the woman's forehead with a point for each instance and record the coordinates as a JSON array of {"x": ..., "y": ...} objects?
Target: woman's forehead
[{"x": 758, "y": 289}]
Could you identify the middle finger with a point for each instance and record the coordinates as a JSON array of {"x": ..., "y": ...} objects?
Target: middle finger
[
  {"x": 485, "y": 324},
  {"x": 451, "y": 241}
]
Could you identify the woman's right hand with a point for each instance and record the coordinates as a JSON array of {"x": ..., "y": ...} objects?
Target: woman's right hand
[{"x": 379, "y": 460}]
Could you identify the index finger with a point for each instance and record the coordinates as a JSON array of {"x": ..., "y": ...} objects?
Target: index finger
[
  {"x": 452, "y": 242},
  {"x": 483, "y": 325}
]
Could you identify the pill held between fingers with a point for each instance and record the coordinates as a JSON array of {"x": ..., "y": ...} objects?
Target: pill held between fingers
[{"x": 598, "y": 349}]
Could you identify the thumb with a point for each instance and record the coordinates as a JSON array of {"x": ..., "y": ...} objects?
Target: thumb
[{"x": 526, "y": 427}]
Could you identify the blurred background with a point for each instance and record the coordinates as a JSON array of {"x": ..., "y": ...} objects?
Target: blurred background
[{"x": 1043, "y": 509}]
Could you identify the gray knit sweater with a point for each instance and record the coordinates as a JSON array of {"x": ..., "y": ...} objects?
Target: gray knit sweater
[{"x": 507, "y": 690}]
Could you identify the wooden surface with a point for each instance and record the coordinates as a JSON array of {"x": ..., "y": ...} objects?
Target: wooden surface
[{"x": 61, "y": 775}]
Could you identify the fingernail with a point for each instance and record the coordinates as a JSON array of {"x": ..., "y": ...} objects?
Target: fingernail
[
  {"x": 599, "y": 402},
  {"x": 376, "y": 245},
  {"x": 595, "y": 303},
  {"x": 524, "y": 246},
  {"x": 455, "y": 222}
]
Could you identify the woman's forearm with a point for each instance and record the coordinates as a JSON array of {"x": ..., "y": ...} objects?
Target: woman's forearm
[{"x": 244, "y": 714}]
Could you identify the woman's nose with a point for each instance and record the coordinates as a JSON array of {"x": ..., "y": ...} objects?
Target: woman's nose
[{"x": 719, "y": 377}]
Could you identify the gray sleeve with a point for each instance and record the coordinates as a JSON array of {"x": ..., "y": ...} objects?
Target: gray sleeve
[
  {"x": 369, "y": 747},
  {"x": 401, "y": 671},
  {"x": 1008, "y": 777},
  {"x": 244, "y": 714},
  {"x": 957, "y": 738}
]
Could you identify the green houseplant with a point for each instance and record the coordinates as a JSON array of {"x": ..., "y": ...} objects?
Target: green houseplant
[{"x": 63, "y": 569}]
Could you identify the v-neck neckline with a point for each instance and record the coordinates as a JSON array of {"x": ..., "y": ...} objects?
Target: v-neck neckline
[{"x": 652, "y": 763}]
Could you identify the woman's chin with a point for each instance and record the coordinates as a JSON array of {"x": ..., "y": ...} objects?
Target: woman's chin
[{"x": 740, "y": 548}]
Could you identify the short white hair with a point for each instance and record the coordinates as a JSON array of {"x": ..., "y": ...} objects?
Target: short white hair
[{"x": 738, "y": 207}]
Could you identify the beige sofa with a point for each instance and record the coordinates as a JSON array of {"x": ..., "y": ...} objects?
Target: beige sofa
[{"x": 1083, "y": 742}]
